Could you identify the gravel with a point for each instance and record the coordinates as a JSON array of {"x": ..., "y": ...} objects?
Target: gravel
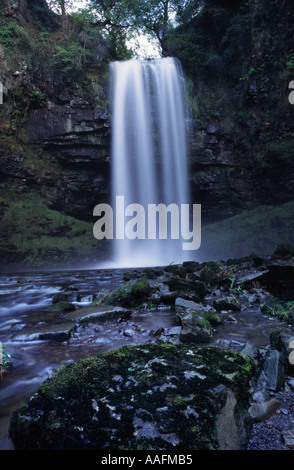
[{"x": 276, "y": 433}]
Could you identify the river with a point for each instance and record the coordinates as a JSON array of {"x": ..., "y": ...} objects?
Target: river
[{"x": 23, "y": 301}]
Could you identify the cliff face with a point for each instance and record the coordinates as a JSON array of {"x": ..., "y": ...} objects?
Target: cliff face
[{"x": 55, "y": 125}]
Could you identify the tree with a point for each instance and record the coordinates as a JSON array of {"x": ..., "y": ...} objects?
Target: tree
[
  {"x": 160, "y": 17},
  {"x": 61, "y": 7}
]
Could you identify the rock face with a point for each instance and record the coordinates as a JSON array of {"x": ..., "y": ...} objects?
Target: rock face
[
  {"x": 141, "y": 397},
  {"x": 74, "y": 134}
]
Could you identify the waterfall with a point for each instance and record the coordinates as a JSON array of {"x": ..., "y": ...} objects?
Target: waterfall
[{"x": 149, "y": 151}]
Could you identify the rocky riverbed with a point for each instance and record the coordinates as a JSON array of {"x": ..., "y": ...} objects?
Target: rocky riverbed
[{"x": 243, "y": 309}]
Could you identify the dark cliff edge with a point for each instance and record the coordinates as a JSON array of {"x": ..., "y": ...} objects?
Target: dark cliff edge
[{"x": 56, "y": 131}]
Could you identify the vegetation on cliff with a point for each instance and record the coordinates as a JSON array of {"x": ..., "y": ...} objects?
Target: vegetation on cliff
[{"x": 238, "y": 60}]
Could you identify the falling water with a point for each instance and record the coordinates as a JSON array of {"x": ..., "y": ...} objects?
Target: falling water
[{"x": 149, "y": 150}]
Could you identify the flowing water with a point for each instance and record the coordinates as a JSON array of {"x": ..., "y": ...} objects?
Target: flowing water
[
  {"x": 23, "y": 301},
  {"x": 149, "y": 157}
]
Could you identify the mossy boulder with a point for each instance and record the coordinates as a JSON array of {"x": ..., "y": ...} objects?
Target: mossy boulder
[
  {"x": 127, "y": 295},
  {"x": 195, "y": 328},
  {"x": 211, "y": 274},
  {"x": 229, "y": 302},
  {"x": 193, "y": 290},
  {"x": 141, "y": 289},
  {"x": 60, "y": 297},
  {"x": 62, "y": 307},
  {"x": 141, "y": 397},
  {"x": 122, "y": 295},
  {"x": 196, "y": 320}
]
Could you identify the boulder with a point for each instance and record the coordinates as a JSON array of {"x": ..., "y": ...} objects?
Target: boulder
[
  {"x": 195, "y": 328},
  {"x": 227, "y": 303},
  {"x": 141, "y": 289},
  {"x": 159, "y": 397},
  {"x": 59, "y": 332},
  {"x": 195, "y": 290}
]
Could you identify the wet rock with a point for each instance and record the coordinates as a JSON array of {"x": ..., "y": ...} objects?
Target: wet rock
[
  {"x": 60, "y": 297},
  {"x": 159, "y": 408},
  {"x": 175, "y": 330},
  {"x": 252, "y": 278},
  {"x": 232, "y": 433},
  {"x": 98, "y": 313},
  {"x": 195, "y": 290},
  {"x": 60, "y": 332},
  {"x": 249, "y": 350},
  {"x": 273, "y": 373},
  {"x": 128, "y": 276},
  {"x": 129, "y": 333},
  {"x": 211, "y": 274},
  {"x": 62, "y": 307},
  {"x": 152, "y": 273},
  {"x": 122, "y": 295},
  {"x": 195, "y": 328},
  {"x": 141, "y": 289},
  {"x": 227, "y": 303},
  {"x": 288, "y": 437},
  {"x": 264, "y": 411}
]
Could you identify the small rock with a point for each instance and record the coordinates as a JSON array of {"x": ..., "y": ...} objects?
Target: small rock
[
  {"x": 264, "y": 411},
  {"x": 129, "y": 333},
  {"x": 291, "y": 384},
  {"x": 288, "y": 437}
]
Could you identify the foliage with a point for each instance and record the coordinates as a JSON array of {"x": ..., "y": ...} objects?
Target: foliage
[
  {"x": 276, "y": 151},
  {"x": 37, "y": 233},
  {"x": 281, "y": 310},
  {"x": 24, "y": 100},
  {"x": 5, "y": 360},
  {"x": 71, "y": 58}
]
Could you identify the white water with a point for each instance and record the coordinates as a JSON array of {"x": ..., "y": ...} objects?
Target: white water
[{"x": 149, "y": 151}]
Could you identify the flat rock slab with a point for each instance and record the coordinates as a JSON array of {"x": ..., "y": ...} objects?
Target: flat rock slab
[
  {"x": 256, "y": 276},
  {"x": 58, "y": 332},
  {"x": 97, "y": 313}
]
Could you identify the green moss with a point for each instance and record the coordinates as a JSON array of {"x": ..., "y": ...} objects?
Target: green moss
[
  {"x": 61, "y": 306},
  {"x": 113, "y": 400},
  {"x": 120, "y": 296},
  {"x": 275, "y": 151},
  {"x": 141, "y": 289},
  {"x": 281, "y": 310},
  {"x": 37, "y": 234}
]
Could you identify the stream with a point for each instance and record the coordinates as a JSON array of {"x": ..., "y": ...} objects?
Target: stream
[{"x": 23, "y": 301}]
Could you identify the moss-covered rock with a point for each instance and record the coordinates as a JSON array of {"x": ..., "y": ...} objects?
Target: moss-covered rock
[
  {"x": 62, "y": 307},
  {"x": 193, "y": 290},
  {"x": 122, "y": 295},
  {"x": 197, "y": 321},
  {"x": 229, "y": 302},
  {"x": 141, "y": 289},
  {"x": 140, "y": 397}
]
